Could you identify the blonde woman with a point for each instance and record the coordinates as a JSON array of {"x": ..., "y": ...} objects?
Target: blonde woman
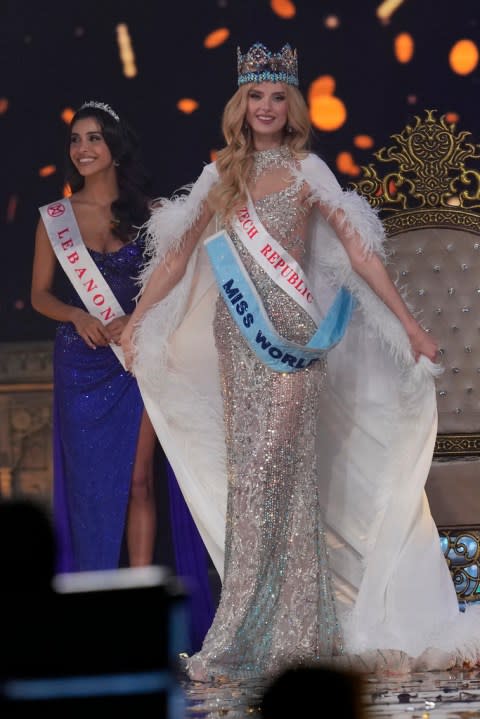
[{"x": 293, "y": 393}]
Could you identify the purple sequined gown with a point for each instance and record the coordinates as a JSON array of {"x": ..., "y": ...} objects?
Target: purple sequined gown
[{"x": 97, "y": 413}]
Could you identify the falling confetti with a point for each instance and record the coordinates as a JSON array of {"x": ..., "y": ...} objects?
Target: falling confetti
[
  {"x": 67, "y": 115},
  {"x": 463, "y": 57},
  {"x": 323, "y": 85},
  {"x": 216, "y": 38},
  {"x": 125, "y": 49},
  {"x": 47, "y": 170},
  {"x": 283, "y": 8},
  {"x": 452, "y": 117},
  {"x": 346, "y": 164},
  {"x": 404, "y": 47},
  {"x": 386, "y": 9},
  {"x": 363, "y": 142},
  {"x": 187, "y": 105},
  {"x": 327, "y": 112}
]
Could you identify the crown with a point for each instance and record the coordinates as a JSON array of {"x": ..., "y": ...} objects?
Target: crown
[
  {"x": 258, "y": 64},
  {"x": 100, "y": 106}
]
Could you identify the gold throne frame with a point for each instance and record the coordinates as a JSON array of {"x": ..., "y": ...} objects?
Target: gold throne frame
[{"x": 427, "y": 180}]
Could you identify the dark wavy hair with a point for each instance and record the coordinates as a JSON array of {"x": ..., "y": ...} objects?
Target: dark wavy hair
[{"x": 131, "y": 209}]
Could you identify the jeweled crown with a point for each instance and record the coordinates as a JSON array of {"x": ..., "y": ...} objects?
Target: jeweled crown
[
  {"x": 259, "y": 64},
  {"x": 100, "y": 106}
]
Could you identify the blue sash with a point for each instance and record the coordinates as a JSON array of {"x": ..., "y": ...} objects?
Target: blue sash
[{"x": 248, "y": 312}]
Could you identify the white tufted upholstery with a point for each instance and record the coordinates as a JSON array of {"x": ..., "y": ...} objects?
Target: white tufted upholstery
[
  {"x": 426, "y": 187},
  {"x": 440, "y": 270}
]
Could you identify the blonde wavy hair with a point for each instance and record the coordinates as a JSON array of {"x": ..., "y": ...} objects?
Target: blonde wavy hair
[{"x": 234, "y": 161}]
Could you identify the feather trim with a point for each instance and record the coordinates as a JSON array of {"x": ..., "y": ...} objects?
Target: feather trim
[
  {"x": 330, "y": 263},
  {"x": 357, "y": 215},
  {"x": 172, "y": 218}
]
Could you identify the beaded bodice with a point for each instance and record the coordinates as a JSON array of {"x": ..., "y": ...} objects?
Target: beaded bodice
[
  {"x": 283, "y": 215},
  {"x": 281, "y": 211},
  {"x": 264, "y": 160}
]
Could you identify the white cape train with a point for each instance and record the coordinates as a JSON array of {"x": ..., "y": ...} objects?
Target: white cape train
[{"x": 375, "y": 440}]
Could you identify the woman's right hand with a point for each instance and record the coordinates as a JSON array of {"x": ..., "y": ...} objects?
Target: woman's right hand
[{"x": 90, "y": 329}]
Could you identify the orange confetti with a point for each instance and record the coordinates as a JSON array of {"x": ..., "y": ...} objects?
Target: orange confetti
[
  {"x": 283, "y": 8},
  {"x": 463, "y": 57},
  {"x": 323, "y": 85},
  {"x": 67, "y": 190},
  {"x": 404, "y": 47},
  {"x": 344, "y": 161},
  {"x": 327, "y": 113},
  {"x": 216, "y": 38},
  {"x": 452, "y": 117},
  {"x": 213, "y": 155},
  {"x": 187, "y": 105},
  {"x": 47, "y": 170},
  {"x": 3, "y": 105},
  {"x": 67, "y": 115},
  {"x": 364, "y": 142},
  {"x": 346, "y": 164}
]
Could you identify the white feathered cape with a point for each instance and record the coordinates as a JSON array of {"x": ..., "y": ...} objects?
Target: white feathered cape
[{"x": 376, "y": 436}]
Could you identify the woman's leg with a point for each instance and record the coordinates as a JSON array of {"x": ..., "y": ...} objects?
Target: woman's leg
[{"x": 141, "y": 514}]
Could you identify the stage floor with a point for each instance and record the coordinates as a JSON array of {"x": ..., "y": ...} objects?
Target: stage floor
[{"x": 429, "y": 695}]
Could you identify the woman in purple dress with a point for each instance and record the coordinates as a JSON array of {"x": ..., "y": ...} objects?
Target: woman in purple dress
[{"x": 104, "y": 444}]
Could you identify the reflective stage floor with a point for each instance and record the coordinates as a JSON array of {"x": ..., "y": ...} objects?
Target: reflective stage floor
[{"x": 429, "y": 695}]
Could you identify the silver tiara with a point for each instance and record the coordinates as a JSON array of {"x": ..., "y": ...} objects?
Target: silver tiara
[{"x": 100, "y": 106}]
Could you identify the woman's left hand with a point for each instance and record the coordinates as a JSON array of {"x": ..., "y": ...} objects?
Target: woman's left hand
[{"x": 423, "y": 343}]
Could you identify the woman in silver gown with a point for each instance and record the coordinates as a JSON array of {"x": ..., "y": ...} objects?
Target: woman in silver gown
[{"x": 242, "y": 432}]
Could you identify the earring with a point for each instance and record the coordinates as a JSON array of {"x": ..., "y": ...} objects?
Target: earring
[
  {"x": 116, "y": 163},
  {"x": 289, "y": 130}
]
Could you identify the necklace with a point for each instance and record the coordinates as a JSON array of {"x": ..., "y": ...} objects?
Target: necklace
[{"x": 264, "y": 160}]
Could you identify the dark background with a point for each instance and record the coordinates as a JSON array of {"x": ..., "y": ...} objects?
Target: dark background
[{"x": 55, "y": 55}]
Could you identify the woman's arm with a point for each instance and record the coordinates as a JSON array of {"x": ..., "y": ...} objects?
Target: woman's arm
[
  {"x": 163, "y": 279},
  {"x": 371, "y": 268},
  {"x": 44, "y": 301}
]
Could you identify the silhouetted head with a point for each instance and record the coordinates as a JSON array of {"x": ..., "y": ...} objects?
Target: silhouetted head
[
  {"x": 300, "y": 691},
  {"x": 27, "y": 546}
]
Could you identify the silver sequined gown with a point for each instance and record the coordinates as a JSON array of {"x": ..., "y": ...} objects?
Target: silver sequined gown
[{"x": 276, "y": 605}]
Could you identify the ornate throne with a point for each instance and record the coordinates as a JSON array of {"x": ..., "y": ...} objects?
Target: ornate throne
[{"x": 426, "y": 187}]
